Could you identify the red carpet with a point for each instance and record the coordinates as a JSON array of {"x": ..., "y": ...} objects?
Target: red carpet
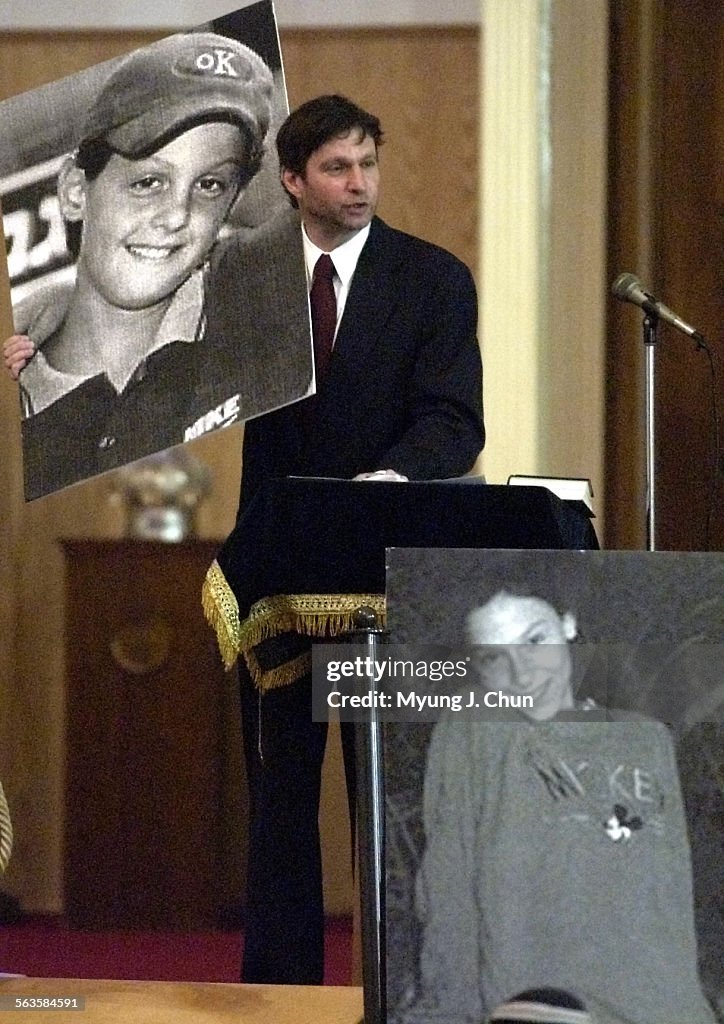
[{"x": 45, "y": 948}]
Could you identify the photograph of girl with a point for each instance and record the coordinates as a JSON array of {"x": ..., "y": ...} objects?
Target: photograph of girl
[{"x": 547, "y": 875}]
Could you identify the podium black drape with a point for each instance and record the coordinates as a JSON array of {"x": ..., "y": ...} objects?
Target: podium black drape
[{"x": 317, "y": 536}]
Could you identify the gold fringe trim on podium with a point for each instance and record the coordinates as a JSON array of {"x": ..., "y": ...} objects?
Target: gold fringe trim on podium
[
  {"x": 320, "y": 615},
  {"x": 317, "y": 615},
  {"x": 6, "y": 832},
  {"x": 222, "y": 613},
  {"x": 281, "y": 675}
]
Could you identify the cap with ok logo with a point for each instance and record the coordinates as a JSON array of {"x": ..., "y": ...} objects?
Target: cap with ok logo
[{"x": 156, "y": 92}]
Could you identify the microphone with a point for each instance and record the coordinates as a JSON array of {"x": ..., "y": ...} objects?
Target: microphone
[{"x": 628, "y": 288}]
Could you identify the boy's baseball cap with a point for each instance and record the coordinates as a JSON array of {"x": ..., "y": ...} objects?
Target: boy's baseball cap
[{"x": 158, "y": 90}]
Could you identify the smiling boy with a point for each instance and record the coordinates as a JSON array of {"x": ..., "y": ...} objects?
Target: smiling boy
[
  {"x": 175, "y": 133},
  {"x": 149, "y": 224}
]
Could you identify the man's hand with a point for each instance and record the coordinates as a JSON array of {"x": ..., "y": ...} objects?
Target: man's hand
[
  {"x": 18, "y": 350},
  {"x": 380, "y": 474}
]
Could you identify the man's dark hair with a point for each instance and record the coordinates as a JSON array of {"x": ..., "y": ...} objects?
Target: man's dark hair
[{"x": 316, "y": 122}]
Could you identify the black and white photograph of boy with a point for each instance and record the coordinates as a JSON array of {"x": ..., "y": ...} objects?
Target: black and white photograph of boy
[
  {"x": 558, "y": 858},
  {"x": 181, "y": 307}
]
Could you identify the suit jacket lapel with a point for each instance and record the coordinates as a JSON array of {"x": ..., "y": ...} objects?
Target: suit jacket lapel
[{"x": 372, "y": 296}]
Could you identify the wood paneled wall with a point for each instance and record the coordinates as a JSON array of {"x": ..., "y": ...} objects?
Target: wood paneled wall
[
  {"x": 423, "y": 83},
  {"x": 666, "y": 224}
]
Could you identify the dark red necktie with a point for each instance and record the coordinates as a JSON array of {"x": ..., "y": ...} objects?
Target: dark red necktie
[{"x": 324, "y": 313}]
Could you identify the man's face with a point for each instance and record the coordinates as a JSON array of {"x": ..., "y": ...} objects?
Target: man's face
[
  {"x": 149, "y": 223},
  {"x": 533, "y": 657},
  {"x": 337, "y": 194}
]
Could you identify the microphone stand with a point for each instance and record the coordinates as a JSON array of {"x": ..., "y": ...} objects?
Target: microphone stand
[{"x": 650, "y": 327}]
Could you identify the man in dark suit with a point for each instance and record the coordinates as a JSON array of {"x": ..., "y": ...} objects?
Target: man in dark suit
[{"x": 401, "y": 398}]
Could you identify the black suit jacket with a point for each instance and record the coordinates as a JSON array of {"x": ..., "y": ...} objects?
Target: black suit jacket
[{"x": 404, "y": 385}]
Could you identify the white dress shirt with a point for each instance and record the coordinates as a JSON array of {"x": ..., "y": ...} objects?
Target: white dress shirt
[{"x": 344, "y": 258}]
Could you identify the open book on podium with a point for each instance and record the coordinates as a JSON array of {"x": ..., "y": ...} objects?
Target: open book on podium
[{"x": 567, "y": 488}]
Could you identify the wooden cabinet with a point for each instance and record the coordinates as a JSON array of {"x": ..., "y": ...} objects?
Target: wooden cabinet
[{"x": 155, "y": 815}]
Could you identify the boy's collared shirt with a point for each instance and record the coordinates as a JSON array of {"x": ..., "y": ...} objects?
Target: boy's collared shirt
[{"x": 41, "y": 384}]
